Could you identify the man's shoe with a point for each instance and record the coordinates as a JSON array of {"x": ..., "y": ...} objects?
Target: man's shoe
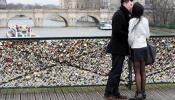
[
  {"x": 132, "y": 99},
  {"x": 108, "y": 97}
]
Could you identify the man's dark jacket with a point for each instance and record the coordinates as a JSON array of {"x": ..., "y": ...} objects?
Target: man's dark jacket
[{"x": 119, "y": 40}]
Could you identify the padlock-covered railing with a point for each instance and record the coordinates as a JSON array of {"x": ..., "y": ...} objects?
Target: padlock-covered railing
[{"x": 73, "y": 61}]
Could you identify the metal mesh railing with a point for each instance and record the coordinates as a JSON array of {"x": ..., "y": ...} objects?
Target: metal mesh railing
[{"x": 73, "y": 61}]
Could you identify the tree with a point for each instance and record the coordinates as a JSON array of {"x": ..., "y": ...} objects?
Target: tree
[{"x": 162, "y": 10}]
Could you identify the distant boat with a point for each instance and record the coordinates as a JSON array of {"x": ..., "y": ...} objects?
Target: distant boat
[
  {"x": 105, "y": 26},
  {"x": 20, "y": 31}
]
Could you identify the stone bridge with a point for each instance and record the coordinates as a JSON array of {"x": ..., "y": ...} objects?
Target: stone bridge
[{"x": 69, "y": 16}]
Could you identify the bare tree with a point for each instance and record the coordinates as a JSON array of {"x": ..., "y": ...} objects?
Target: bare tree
[
  {"x": 154, "y": 10},
  {"x": 162, "y": 11}
]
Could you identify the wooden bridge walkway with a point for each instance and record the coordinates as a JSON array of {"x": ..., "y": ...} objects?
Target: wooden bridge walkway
[{"x": 154, "y": 92}]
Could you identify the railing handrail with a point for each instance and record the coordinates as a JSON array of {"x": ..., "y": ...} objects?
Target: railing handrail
[{"x": 78, "y": 37}]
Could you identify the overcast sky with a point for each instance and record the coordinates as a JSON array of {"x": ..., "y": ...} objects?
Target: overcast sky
[{"x": 41, "y": 2}]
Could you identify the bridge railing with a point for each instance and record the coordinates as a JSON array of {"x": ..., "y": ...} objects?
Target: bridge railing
[{"x": 74, "y": 61}]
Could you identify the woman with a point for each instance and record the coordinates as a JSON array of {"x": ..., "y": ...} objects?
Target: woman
[{"x": 138, "y": 33}]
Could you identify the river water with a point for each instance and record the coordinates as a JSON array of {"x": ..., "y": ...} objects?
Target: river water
[{"x": 55, "y": 29}]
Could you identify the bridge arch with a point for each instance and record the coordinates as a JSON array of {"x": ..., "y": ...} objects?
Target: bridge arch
[
  {"x": 56, "y": 18},
  {"x": 29, "y": 20},
  {"x": 95, "y": 18}
]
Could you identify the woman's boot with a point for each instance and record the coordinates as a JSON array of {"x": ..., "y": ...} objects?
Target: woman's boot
[
  {"x": 144, "y": 94},
  {"x": 139, "y": 96}
]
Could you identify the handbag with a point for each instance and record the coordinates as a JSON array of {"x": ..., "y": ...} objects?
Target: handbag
[{"x": 151, "y": 54}]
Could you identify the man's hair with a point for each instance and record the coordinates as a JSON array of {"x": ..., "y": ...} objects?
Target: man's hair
[{"x": 122, "y": 1}]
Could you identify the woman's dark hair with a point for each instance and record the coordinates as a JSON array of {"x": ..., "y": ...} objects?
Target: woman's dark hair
[{"x": 137, "y": 12}]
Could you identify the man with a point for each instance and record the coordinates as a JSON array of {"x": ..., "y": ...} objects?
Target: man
[{"x": 119, "y": 48}]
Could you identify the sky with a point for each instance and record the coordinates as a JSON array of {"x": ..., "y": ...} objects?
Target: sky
[{"x": 41, "y": 2}]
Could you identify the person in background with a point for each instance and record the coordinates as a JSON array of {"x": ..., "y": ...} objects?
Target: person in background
[
  {"x": 138, "y": 33},
  {"x": 119, "y": 48}
]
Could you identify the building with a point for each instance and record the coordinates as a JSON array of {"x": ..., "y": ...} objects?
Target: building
[
  {"x": 88, "y": 4},
  {"x": 94, "y": 4},
  {"x": 85, "y": 4},
  {"x": 105, "y": 4},
  {"x": 63, "y": 4},
  {"x": 114, "y": 4},
  {"x": 79, "y": 4},
  {"x": 3, "y": 4}
]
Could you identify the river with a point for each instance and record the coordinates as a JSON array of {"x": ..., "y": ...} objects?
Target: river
[{"x": 55, "y": 29}]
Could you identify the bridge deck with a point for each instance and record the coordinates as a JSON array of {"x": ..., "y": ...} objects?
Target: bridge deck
[{"x": 156, "y": 92}]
